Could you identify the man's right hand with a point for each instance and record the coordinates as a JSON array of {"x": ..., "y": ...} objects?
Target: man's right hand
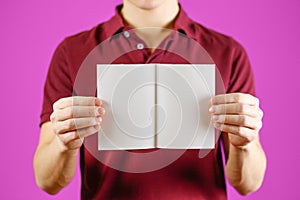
[{"x": 74, "y": 118}]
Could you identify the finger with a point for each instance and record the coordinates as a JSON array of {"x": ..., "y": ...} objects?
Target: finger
[
  {"x": 261, "y": 114},
  {"x": 246, "y": 133},
  {"x": 235, "y": 98},
  {"x": 76, "y": 101},
  {"x": 75, "y": 144},
  {"x": 238, "y": 120},
  {"x": 235, "y": 108},
  {"x": 68, "y": 137},
  {"x": 88, "y": 131},
  {"x": 66, "y": 126},
  {"x": 77, "y": 112}
]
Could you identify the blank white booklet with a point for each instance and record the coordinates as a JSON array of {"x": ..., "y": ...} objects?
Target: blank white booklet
[{"x": 156, "y": 106}]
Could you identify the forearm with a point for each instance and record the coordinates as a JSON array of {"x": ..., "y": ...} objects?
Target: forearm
[
  {"x": 72, "y": 119},
  {"x": 54, "y": 168},
  {"x": 246, "y": 166}
]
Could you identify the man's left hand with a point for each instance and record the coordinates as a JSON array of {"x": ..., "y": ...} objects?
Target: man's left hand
[{"x": 239, "y": 115}]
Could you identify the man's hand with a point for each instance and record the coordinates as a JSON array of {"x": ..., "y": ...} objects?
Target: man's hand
[
  {"x": 238, "y": 115},
  {"x": 55, "y": 160},
  {"x": 240, "y": 118},
  {"x": 74, "y": 118}
]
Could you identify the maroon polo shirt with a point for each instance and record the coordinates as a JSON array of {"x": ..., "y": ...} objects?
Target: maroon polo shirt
[{"x": 73, "y": 72}]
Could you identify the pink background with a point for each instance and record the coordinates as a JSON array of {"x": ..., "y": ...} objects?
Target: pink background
[{"x": 31, "y": 29}]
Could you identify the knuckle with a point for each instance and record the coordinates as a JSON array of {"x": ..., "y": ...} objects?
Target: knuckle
[
  {"x": 55, "y": 128},
  {"x": 261, "y": 113},
  {"x": 240, "y": 130},
  {"x": 69, "y": 124},
  {"x": 70, "y": 112},
  {"x": 62, "y": 127},
  {"x": 260, "y": 125},
  {"x": 257, "y": 101},
  {"x": 243, "y": 119},
  {"x": 54, "y": 106},
  {"x": 73, "y": 135},
  {"x": 53, "y": 117},
  {"x": 57, "y": 103},
  {"x": 242, "y": 108},
  {"x": 257, "y": 113}
]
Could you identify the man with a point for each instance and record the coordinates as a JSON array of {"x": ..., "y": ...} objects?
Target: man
[{"x": 236, "y": 114}]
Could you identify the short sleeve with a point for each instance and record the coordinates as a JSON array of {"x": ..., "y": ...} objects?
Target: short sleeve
[
  {"x": 58, "y": 82},
  {"x": 241, "y": 76}
]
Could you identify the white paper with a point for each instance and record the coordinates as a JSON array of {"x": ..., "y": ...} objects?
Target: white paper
[
  {"x": 184, "y": 91},
  {"x": 156, "y": 105},
  {"x": 127, "y": 123}
]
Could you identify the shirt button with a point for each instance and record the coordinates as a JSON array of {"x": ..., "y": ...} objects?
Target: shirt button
[
  {"x": 126, "y": 34},
  {"x": 140, "y": 46}
]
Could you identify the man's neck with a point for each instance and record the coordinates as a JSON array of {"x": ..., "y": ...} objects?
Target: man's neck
[{"x": 161, "y": 16}]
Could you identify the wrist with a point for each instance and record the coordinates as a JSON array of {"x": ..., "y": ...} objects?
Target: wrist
[{"x": 244, "y": 148}]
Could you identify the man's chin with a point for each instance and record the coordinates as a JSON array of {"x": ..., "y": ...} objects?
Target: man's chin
[{"x": 146, "y": 4}]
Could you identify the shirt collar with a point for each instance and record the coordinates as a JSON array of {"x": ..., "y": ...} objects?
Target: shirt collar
[
  {"x": 115, "y": 25},
  {"x": 184, "y": 24}
]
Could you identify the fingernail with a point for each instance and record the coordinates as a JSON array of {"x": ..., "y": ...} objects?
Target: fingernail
[
  {"x": 212, "y": 109},
  {"x": 98, "y": 102},
  {"x": 101, "y": 111},
  {"x": 99, "y": 119}
]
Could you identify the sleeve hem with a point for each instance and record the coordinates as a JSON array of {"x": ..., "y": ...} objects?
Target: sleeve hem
[{"x": 45, "y": 117}]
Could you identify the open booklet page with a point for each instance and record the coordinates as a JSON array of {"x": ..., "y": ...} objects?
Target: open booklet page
[
  {"x": 156, "y": 105},
  {"x": 183, "y": 93},
  {"x": 128, "y": 96}
]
